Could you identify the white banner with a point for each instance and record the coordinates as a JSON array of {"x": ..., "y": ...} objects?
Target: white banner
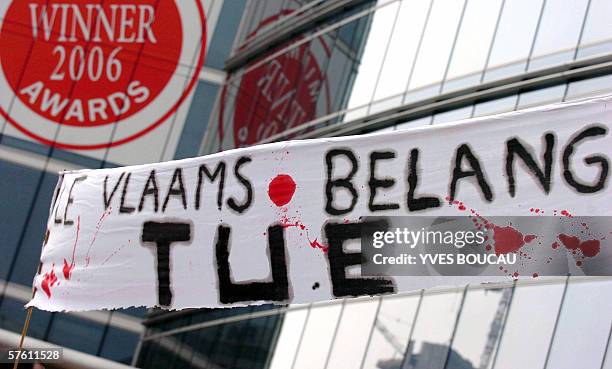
[{"x": 281, "y": 222}]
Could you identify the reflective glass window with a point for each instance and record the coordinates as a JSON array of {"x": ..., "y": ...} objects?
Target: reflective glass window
[
  {"x": 541, "y": 96},
  {"x": 473, "y": 43},
  {"x": 597, "y": 34},
  {"x": 119, "y": 345},
  {"x": 184, "y": 352},
  {"x": 76, "y": 333},
  {"x": 252, "y": 346},
  {"x": 376, "y": 43},
  {"x": 495, "y": 106},
  {"x": 282, "y": 91},
  {"x": 256, "y": 13},
  {"x": 13, "y": 314},
  {"x": 513, "y": 39},
  {"x": 28, "y": 257},
  {"x": 529, "y": 326},
  {"x": 225, "y": 31},
  {"x": 341, "y": 67},
  {"x": 402, "y": 48},
  {"x": 158, "y": 354},
  {"x": 419, "y": 122},
  {"x": 17, "y": 198},
  {"x": 289, "y": 339},
  {"x": 433, "y": 330},
  {"x": 243, "y": 344},
  {"x": 351, "y": 341},
  {"x": 453, "y": 115},
  {"x": 204, "y": 97},
  {"x": 386, "y": 103},
  {"x": 391, "y": 332},
  {"x": 272, "y": 7},
  {"x": 318, "y": 336},
  {"x": 557, "y": 36},
  {"x": 436, "y": 49},
  {"x": 589, "y": 87},
  {"x": 584, "y": 324},
  {"x": 198, "y": 346},
  {"x": 480, "y": 326},
  {"x": 607, "y": 360}
]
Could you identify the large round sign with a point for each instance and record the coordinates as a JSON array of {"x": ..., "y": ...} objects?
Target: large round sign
[
  {"x": 274, "y": 96},
  {"x": 101, "y": 73},
  {"x": 277, "y": 96}
]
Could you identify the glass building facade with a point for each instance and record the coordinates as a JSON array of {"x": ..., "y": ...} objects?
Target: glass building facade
[
  {"x": 308, "y": 69},
  {"x": 292, "y": 69},
  {"x": 334, "y": 65},
  {"x": 561, "y": 323}
]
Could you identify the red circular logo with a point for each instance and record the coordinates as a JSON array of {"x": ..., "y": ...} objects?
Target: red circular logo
[
  {"x": 87, "y": 65},
  {"x": 279, "y": 94}
]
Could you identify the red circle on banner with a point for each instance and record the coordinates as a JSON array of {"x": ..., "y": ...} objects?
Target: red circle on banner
[
  {"x": 95, "y": 64},
  {"x": 281, "y": 189}
]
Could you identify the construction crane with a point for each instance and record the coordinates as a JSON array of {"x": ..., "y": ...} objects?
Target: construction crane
[
  {"x": 495, "y": 328},
  {"x": 390, "y": 337},
  {"x": 492, "y": 336}
]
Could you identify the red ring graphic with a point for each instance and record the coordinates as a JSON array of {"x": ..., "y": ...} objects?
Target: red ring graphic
[{"x": 148, "y": 129}]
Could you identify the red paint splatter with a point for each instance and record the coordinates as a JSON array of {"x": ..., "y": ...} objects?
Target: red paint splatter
[
  {"x": 49, "y": 280},
  {"x": 119, "y": 249},
  {"x": 281, "y": 189},
  {"x": 507, "y": 239},
  {"x": 589, "y": 248},
  {"x": 530, "y": 237},
  {"x": 315, "y": 244},
  {"x": 93, "y": 239},
  {"x": 488, "y": 247},
  {"x": 288, "y": 223},
  {"x": 67, "y": 269},
  {"x": 570, "y": 242}
]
